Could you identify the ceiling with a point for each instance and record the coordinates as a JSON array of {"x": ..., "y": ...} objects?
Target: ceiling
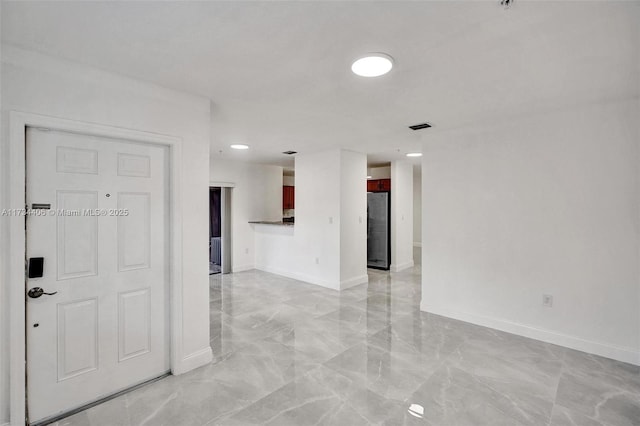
[{"x": 278, "y": 73}]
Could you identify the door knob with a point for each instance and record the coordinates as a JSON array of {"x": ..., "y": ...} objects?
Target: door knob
[{"x": 36, "y": 292}]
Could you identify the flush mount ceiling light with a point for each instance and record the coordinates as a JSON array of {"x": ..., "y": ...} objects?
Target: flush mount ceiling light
[
  {"x": 239, "y": 146},
  {"x": 414, "y": 154},
  {"x": 372, "y": 65}
]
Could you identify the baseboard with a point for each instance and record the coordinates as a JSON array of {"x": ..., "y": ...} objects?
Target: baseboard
[
  {"x": 242, "y": 268},
  {"x": 197, "y": 359},
  {"x": 301, "y": 277},
  {"x": 401, "y": 266},
  {"x": 619, "y": 353},
  {"x": 5, "y": 424},
  {"x": 417, "y": 244},
  {"x": 352, "y": 282}
]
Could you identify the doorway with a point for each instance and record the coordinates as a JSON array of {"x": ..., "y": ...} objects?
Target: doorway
[
  {"x": 215, "y": 229},
  {"x": 378, "y": 230},
  {"x": 97, "y": 244},
  {"x": 219, "y": 230}
]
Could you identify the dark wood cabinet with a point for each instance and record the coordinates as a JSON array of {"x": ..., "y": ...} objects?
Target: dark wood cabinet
[
  {"x": 288, "y": 197},
  {"x": 379, "y": 185}
]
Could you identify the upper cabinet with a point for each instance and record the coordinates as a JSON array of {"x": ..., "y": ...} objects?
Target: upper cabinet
[
  {"x": 379, "y": 185},
  {"x": 288, "y": 197}
]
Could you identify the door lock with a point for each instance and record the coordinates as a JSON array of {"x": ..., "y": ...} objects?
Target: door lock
[
  {"x": 36, "y": 267},
  {"x": 36, "y": 292}
]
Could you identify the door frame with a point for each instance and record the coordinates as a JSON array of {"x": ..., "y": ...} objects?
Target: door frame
[
  {"x": 226, "y": 206},
  {"x": 18, "y": 123}
]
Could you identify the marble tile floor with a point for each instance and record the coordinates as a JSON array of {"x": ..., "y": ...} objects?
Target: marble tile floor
[{"x": 290, "y": 353}]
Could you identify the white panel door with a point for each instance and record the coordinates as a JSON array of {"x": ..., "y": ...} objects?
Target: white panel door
[{"x": 104, "y": 244}]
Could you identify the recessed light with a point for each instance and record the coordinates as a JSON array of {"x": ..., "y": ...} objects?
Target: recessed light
[
  {"x": 368, "y": 177},
  {"x": 239, "y": 146},
  {"x": 414, "y": 154},
  {"x": 372, "y": 65}
]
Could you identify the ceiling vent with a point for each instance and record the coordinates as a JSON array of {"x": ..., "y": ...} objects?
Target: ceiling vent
[
  {"x": 420, "y": 126},
  {"x": 290, "y": 152}
]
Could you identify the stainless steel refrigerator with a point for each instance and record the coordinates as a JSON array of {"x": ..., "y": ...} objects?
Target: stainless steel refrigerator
[{"x": 378, "y": 230}]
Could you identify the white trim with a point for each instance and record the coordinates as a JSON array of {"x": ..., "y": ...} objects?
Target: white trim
[
  {"x": 5, "y": 424},
  {"x": 18, "y": 121},
  {"x": 624, "y": 354},
  {"x": 333, "y": 285},
  {"x": 342, "y": 285},
  {"x": 241, "y": 268},
  {"x": 194, "y": 360},
  {"x": 352, "y": 282},
  {"x": 401, "y": 266},
  {"x": 223, "y": 184},
  {"x": 417, "y": 244},
  {"x": 16, "y": 268}
]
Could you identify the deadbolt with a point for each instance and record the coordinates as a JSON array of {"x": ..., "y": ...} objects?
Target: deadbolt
[
  {"x": 36, "y": 292},
  {"x": 36, "y": 267}
]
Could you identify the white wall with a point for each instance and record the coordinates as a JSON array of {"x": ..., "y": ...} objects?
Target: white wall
[
  {"x": 4, "y": 314},
  {"x": 353, "y": 218},
  {"x": 330, "y": 199},
  {"x": 417, "y": 207},
  {"x": 541, "y": 205},
  {"x": 39, "y": 84},
  {"x": 417, "y": 215},
  {"x": 401, "y": 215},
  {"x": 379, "y": 172},
  {"x": 256, "y": 195},
  {"x": 313, "y": 254}
]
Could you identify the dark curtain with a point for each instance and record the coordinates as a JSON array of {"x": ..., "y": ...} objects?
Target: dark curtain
[{"x": 214, "y": 212}]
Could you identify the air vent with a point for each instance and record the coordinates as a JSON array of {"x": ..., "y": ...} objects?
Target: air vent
[
  {"x": 290, "y": 152},
  {"x": 420, "y": 126}
]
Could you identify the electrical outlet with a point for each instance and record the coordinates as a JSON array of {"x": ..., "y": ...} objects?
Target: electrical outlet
[
  {"x": 359, "y": 219},
  {"x": 547, "y": 300},
  {"x": 246, "y": 251},
  {"x": 330, "y": 220},
  {"x": 317, "y": 260}
]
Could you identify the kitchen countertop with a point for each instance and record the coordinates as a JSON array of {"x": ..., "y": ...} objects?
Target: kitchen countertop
[{"x": 276, "y": 223}]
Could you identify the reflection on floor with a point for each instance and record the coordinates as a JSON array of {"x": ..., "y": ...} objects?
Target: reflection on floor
[
  {"x": 214, "y": 268},
  {"x": 290, "y": 353}
]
